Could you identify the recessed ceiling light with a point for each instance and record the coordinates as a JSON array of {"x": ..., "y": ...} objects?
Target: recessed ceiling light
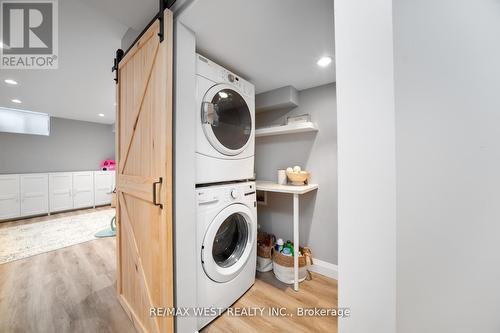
[
  {"x": 101, "y": 114},
  {"x": 10, "y": 81},
  {"x": 15, "y": 100},
  {"x": 324, "y": 61}
]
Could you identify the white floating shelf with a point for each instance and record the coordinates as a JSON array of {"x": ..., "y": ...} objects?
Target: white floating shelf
[
  {"x": 268, "y": 186},
  {"x": 287, "y": 129}
]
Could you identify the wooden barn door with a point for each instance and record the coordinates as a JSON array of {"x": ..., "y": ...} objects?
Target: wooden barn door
[{"x": 144, "y": 178}]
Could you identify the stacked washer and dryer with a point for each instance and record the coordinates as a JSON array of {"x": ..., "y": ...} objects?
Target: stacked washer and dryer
[{"x": 226, "y": 236}]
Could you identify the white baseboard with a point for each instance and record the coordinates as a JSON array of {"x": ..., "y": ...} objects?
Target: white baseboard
[{"x": 325, "y": 268}]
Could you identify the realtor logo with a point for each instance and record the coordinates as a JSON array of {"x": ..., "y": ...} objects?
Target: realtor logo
[{"x": 29, "y": 33}]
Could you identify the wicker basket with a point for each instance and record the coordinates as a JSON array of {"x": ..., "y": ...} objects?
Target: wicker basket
[
  {"x": 265, "y": 244},
  {"x": 283, "y": 265},
  {"x": 287, "y": 261}
]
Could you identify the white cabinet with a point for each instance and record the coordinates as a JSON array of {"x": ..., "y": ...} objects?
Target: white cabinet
[
  {"x": 83, "y": 189},
  {"x": 103, "y": 186},
  {"x": 41, "y": 193},
  {"x": 34, "y": 194},
  {"x": 60, "y": 191},
  {"x": 10, "y": 206}
]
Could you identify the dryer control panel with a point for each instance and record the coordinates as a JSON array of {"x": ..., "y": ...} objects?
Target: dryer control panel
[{"x": 219, "y": 74}]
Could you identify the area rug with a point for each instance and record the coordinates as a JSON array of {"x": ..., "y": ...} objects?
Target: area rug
[{"x": 22, "y": 241}]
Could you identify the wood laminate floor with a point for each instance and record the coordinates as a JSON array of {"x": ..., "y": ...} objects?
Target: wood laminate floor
[
  {"x": 268, "y": 292},
  {"x": 73, "y": 290},
  {"x": 66, "y": 290}
]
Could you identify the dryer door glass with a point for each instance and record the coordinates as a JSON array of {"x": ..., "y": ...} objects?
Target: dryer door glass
[
  {"x": 234, "y": 123},
  {"x": 230, "y": 240}
]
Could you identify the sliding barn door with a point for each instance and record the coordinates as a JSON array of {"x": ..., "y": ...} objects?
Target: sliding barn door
[{"x": 144, "y": 179}]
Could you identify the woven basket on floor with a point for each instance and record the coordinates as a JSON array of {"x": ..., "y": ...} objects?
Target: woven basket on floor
[
  {"x": 265, "y": 244},
  {"x": 283, "y": 265},
  {"x": 265, "y": 251},
  {"x": 287, "y": 261}
]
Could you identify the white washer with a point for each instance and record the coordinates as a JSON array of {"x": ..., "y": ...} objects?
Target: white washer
[
  {"x": 225, "y": 120},
  {"x": 226, "y": 241}
]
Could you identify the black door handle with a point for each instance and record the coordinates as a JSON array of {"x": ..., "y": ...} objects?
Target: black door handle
[{"x": 154, "y": 193}]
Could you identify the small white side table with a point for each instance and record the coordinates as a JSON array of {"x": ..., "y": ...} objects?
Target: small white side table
[{"x": 268, "y": 186}]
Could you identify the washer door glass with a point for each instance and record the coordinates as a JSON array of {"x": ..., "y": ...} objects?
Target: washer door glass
[
  {"x": 230, "y": 240},
  {"x": 230, "y": 120}
]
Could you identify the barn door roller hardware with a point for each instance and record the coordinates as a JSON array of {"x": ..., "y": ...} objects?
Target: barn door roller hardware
[
  {"x": 118, "y": 57},
  {"x": 160, "y": 17},
  {"x": 163, "y": 4}
]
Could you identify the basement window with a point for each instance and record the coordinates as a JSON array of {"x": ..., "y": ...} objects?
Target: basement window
[{"x": 24, "y": 122}]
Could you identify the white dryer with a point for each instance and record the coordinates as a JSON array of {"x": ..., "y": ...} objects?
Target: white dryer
[
  {"x": 225, "y": 135},
  {"x": 226, "y": 241}
]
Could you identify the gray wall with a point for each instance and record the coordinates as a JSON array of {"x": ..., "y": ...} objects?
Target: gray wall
[
  {"x": 315, "y": 152},
  {"x": 447, "y": 72},
  {"x": 129, "y": 38},
  {"x": 71, "y": 146}
]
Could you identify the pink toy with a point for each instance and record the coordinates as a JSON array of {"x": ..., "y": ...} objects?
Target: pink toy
[{"x": 108, "y": 165}]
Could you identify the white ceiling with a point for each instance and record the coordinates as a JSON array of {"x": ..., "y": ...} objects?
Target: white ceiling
[
  {"x": 271, "y": 43},
  {"x": 135, "y": 14},
  {"x": 83, "y": 85}
]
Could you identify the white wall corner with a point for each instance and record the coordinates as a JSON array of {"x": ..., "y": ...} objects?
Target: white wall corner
[{"x": 325, "y": 268}]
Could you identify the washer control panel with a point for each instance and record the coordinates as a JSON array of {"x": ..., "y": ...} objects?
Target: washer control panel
[
  {"x": 207, "y": 197},
  {"x": 226, "y": 193}
]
